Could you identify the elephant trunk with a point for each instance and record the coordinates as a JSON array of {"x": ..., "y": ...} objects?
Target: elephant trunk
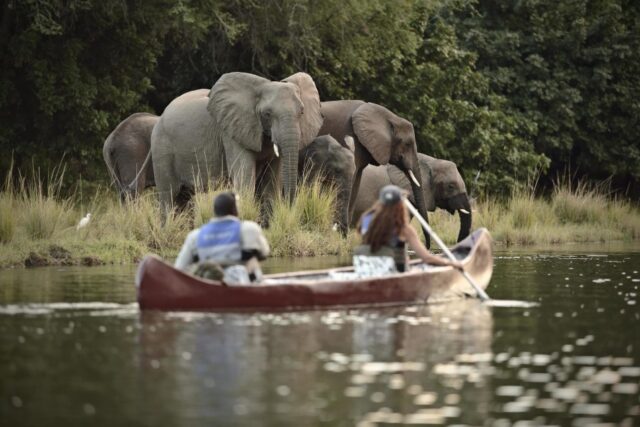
[
  {"x": 461, "y": 204},
  {"x": 288, "y": 146},
  {"x": 419, "y": 198}
]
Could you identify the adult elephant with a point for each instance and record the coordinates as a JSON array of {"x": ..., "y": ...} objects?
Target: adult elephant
[
  {"x": 182, "y": 152},
  {"x": 442, "y": 187},
  {"x": 332, "y": 162},
  {"x": 241, "y": 128},
  {"x": 125, "y": 153},
  {"x": 262, "y": 123},
  {"x": 380, "y": 136}
]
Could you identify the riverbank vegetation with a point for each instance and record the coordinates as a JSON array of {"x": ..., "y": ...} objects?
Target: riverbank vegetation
[
  {"x": 577, "y": 214},
  {"x": 38, "y": 224}
]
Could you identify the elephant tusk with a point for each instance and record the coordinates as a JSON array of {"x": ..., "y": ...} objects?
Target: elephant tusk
[
  {"x": 275, "y": 149},
  {"x": 413, "y": 178},
  {"x": 464, "y": 211}
]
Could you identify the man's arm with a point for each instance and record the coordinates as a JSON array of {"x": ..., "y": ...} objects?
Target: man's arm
[
  {"x": 253, "y": 240},
  {"x": 188, "y": 251}
]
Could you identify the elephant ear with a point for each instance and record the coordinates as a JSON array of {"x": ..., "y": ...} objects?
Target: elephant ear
[
  {"x": 371, "y": 125},
  {"x": 232, "y": 104},
  {"x": 312, "y": 118}
]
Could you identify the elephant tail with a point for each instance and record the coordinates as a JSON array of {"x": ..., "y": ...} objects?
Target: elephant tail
[{"x": 134, "y": 184}]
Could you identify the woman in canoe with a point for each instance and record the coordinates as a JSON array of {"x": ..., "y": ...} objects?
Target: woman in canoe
[{"x": 386, "y": 232}]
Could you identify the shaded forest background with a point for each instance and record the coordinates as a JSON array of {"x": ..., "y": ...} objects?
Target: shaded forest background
[{"x": 505, "y": 88}]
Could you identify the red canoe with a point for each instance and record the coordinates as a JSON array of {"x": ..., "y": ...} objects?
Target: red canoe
[{"x": 162, "y": 287}]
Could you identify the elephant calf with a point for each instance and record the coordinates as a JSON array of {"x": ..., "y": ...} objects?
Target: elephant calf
[
  {"x": 334, "y": 164},
  {"x": 442, "y": 186},
  {"x": 125, "y": 153}
]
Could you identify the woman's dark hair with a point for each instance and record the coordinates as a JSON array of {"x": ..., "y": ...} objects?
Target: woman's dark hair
[{"x": 387, "y": 220}]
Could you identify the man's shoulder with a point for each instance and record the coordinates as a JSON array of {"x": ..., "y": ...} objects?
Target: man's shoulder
[
  {"x": 193, "y": 234},
  {"x": 251, "y": 225}
]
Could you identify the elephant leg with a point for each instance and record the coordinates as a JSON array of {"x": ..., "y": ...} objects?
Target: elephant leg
[
  {"x": 241, "y": 164},
  {"x": 167, "y": 184},
  {"x": 357, "y": 176},
  {"x": 165, "y": 198},
  {"x": 418, "y": 196},
  {"x": 342, "y": 208},
  {"x": 184, "y": 197},
  {"x": 268, "y": 188}
]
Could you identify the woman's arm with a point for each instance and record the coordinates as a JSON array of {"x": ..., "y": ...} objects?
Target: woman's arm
[{"x": 411, "y": 237}]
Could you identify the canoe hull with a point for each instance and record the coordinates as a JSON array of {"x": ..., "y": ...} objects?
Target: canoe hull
[{"x": 162, "y": 287}]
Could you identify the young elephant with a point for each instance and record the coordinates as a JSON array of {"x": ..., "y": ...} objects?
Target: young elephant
[
  {"x": 442, "y": 186},
  {"x": 126, "y": 152},
  {"x": 334, "y": 163}
]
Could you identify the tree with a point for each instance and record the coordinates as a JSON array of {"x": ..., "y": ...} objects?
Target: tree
[
  {"x": 71, "y": 71},
  {"x": 571, "y": 69}
]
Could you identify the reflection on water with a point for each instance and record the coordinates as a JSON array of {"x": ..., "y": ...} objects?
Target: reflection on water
[{"x": 572, "y": 359}]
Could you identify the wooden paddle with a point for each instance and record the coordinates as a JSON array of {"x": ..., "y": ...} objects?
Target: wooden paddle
[{"x": 481, "y": 294}]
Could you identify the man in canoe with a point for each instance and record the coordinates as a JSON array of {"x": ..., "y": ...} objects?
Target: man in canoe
[
  {"x": 225, "y": 246},
  {"x": 386, "y": 232}
]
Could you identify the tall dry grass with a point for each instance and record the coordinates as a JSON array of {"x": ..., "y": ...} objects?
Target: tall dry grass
[
  {"x": 123, "y": 232},
  {"x": 7, "y": 220},
  {"x": 43, "y": 211},
  {"x": 35, "y": 217},
  {"x": 305, "y": 227}
]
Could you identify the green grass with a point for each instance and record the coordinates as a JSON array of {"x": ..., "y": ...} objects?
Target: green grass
[
  {"x": 38, "y": 222},
  {"x": 569, "y": 215},
  {"x": 7, "y": 220}
]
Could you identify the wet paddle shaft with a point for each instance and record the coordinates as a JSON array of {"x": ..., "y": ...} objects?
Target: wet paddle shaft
[{"x": 481, "y": 294}]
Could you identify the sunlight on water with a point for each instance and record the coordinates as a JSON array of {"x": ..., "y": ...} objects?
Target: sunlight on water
[{"x": 510, "y": 303}]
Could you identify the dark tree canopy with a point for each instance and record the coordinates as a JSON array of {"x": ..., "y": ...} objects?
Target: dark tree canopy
[{"x": 506, "y": 88}]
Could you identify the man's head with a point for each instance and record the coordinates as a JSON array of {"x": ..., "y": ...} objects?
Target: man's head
[{"x": 225, "y": 204}]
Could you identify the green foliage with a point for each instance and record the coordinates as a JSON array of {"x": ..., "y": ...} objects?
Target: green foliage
[
  {"x": 569, "y": 69},
  {"x": 455, "y": 114},
  {"x": 71, "y": 71},
  {"x": 506, "y": 88}
]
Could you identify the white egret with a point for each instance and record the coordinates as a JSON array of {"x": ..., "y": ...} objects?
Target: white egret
[{"x": 83, "y": 222}]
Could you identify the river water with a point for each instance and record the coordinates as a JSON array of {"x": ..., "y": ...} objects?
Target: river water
[{"x": 75, "y": 350}]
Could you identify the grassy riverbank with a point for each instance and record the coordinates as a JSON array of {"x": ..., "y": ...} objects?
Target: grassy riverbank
[
  {"x": 569, "y": 215},
  {"x": 38, "y": 225}
]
